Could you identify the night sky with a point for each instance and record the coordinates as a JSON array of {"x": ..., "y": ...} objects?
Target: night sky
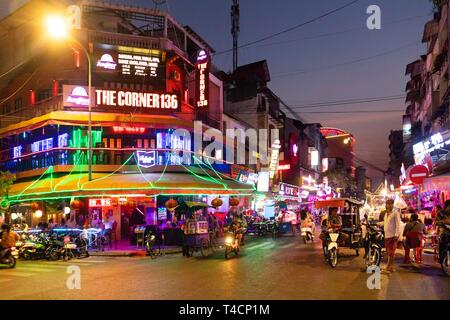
[{"x": 303, "y": 62}]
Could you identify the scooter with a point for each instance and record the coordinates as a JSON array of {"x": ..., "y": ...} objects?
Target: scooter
[
  {"x": 232, "y": 244},
  {"x": 330, "y": 247},
  {"x": 307, "y": 234},
  {"x": 9, "y": 256},
  {"x": 373, "y": 244}
]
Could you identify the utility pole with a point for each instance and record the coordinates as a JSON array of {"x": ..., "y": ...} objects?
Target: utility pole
[{"x": 235, "y": 31}]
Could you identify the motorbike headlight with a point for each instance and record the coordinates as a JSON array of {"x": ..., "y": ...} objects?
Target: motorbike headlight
[{"x": 228, "y": 240}]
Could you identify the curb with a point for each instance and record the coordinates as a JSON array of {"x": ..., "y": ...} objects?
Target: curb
[{"x": 130, "y": 253}]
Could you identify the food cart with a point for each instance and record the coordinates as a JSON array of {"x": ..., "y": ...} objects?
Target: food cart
[{"x": 196, "y": 233}]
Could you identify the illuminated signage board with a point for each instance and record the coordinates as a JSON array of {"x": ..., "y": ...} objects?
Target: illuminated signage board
[
  {"x": 117, "y": 100},
  {"x": 120, "y": 98},
  {"x": 130, "y": 63},
  {"x": 248, "y": 177},
  {"x": 102, "y": 202},
  {"x": 17, "y": 151},
  {"x": 146, "y": 159},
  {"x": 289, "y": 190},
  {"x": 131, "y": 130},
  {"x": 63, "y": 140},
  {"x": 263, "y": 181},
  {"x": 42, "y": 145},
  {"x": 202, "y": 79},
  {"x": 435, "y": 142},
  {"x": 283, "y": 167},
  {"x": 106, "y": 62},
  {"x": 274, "y": 158},
  {"x": 78, "y": 96}
]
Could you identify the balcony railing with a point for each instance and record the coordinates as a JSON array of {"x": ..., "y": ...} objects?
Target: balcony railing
[{"x": 71, "y": 157}]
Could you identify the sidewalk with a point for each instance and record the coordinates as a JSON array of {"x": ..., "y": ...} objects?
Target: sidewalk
[{"x": 125, "y": 249}]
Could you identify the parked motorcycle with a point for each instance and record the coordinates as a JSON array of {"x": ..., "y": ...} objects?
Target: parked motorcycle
[
  {"x": 373, "y": 244},
  {"x": 35, "y": 247},
  {"x": 61, "y": 248},
  {"x": 8, "y": 257},
  {"x": 444, "y": 252},
  {"x": 307, "y": 234}
]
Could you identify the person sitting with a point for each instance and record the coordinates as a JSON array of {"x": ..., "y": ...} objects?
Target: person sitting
[
  {"x": 237, "y": 228},
  {"x": 413, "y": 233},
  {"x": 8, "y": 237},
  {"x": 334, "y": 222}
]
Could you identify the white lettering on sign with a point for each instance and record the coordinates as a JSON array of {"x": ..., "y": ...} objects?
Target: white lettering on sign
[
  {"x": 146, "y": 159},
  {"x": 102, "y": 202},
  {"x": 202, "y": 79},
  {"x": 274, "y": 158},
  {"x": 435, "y": 142},
  {"x": 112, "y": 98},
  {"x": 138, "y": 65}
]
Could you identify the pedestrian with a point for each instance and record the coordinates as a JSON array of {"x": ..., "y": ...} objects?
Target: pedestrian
[
  {"x": 391, "y": 224},
  {"x": 51, "y": 225},
  {"x": 413, "y": 236}
]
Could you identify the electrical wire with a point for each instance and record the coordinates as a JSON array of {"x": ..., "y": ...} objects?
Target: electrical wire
[
  {"x": 303, "y": 71},
  {"x": 292, "y": 28},
  {"x": 347, "y": 102}
]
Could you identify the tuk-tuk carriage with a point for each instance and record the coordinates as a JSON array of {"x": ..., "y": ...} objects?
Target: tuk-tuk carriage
[{"x": 349, "y": 235}]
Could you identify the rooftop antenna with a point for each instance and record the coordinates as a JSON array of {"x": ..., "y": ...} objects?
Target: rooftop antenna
[{"x": 235, "y": 31}]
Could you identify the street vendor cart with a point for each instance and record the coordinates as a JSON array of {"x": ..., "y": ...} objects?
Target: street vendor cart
[{"x": 196, "y": 233}]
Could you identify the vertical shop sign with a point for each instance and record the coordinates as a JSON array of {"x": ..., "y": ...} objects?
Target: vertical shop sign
[{"x": 202, "y": 79}]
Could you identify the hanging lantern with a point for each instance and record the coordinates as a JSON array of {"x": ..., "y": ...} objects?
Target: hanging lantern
[
  {"x": 35, "y": 206},
  {"x": 171, "y": 204},
  {"x": 76, "y": 204},
  {"x": 216, "y": 203},
  {"x": 234, "y": 202}
]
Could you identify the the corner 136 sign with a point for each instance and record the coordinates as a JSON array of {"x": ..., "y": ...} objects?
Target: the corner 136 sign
[
  {"x": 116, "y": 100},
  {"x": 202, "y": 79}
]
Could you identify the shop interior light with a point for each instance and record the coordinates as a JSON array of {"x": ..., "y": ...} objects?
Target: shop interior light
[
  {"x": 38, "y": 213},
  {"x": 14, "y": 216},
  {"x": 66, "y": 210}
]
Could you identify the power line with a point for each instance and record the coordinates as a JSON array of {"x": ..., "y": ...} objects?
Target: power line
[
  {"x": 323, "y": 35},
  {"x": 356, "y": 111},
  {"x": 291, "y": 28},
  {"x": 302, "y": 71},
  {"x": 356, "y": 101}
]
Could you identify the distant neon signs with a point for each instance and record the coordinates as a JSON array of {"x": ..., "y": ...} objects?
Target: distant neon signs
[
  {"x": 202, "y": 79},
  {"x": 435, "y": 142},
  {"x": 63, "y": 140},
  {"x": 288, "y": 190},
  {"x": 106, "y": 62},
  {"x": 17, "y": 151},
  {"x": 248, "y": 177},
  {"x": 78, "y": 96},
  {"x": 146, "y": 159},
  {"x": 274, "y": 158},
  {"x": 119, "y": 98},
  {"x": 263, "y": 181},
  {"x": 130, "y": 130},
  {"x": 102, "y": 202},
  {"x": 283, "y": 167}
]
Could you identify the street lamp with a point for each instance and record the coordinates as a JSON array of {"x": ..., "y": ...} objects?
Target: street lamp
[{"x": 57, "y": 28}]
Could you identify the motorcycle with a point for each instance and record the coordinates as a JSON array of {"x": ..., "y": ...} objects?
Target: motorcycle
[
  {"x": 307, "y": 234},
  {"x": 444, "y": 254},
  {"x": 36, "y": 247},
  {"x": 232, "y": 244},
  {"x": 373, "y": 244},
  {"x": 9, "y": 257},
  {"x": 61, "y": 247},
  {"x": 330, "y": 247}
]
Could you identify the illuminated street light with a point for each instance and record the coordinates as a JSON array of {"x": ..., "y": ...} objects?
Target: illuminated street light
[
  {"x": 57, "y": 28},
  {"x": 346, "y": 141}
]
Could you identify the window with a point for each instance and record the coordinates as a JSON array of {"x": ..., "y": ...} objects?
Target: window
[
  {"x": 6, "y": 108},
  {"x": 18, "y": 104}
]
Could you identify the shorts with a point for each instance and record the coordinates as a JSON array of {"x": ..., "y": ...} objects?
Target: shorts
[{"x": 391, "y": 246}]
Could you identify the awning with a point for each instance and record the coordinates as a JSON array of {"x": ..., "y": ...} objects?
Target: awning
[
  {"x": 145, "y": 184},
  {"x": 440, "y": 182}
]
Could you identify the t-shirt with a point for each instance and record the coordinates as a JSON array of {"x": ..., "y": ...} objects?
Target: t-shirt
[{"x": 415, "y": 226}]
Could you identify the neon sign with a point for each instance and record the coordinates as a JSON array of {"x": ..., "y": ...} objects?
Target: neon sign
[
  {"x": 102, "y": 202},
  {"x": 274, "y": 158},
  {"x": 289, "y": 190},
  {"x": 435, "y": 142},
  {"x": 115, "y": 98},
  {"x": 107, "y": 62},
  {"x": 128, "y": 129},
  {"x": 63, "y": 140},
  {"x": 202, "y": 79},
  {"x": 17, "y": 151},
  {"x": 283, "y": 167},
  {"x": 146, "y": 159},
  {"x": 79, "y": 97},
  {"x": 42, "y": 145}
]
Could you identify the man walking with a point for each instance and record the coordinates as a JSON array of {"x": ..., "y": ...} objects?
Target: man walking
[{"x": 391, "y": 224}]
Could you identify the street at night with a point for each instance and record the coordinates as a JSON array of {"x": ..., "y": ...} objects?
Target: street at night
[
  {"x": 188, "y": 150},
  {"x": 266, "y": 269}
]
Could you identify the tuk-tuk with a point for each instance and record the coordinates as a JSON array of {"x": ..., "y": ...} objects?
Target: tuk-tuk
[{"x": 349, "y": 211}]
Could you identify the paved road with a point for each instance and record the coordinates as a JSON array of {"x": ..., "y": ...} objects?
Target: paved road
[{"x": 266, "y": 269}]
